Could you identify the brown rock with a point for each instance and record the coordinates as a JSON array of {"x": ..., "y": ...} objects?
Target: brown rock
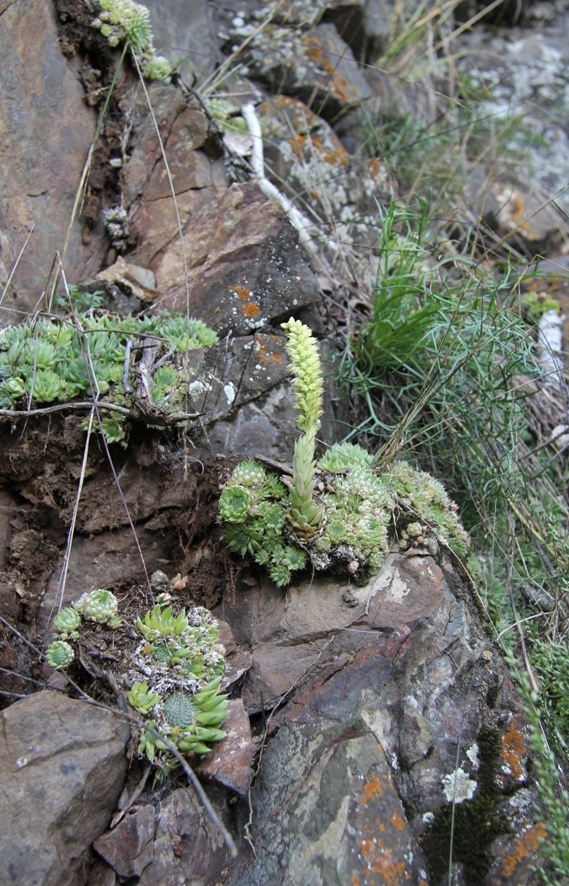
[
  {"x": 231, "y": 759},
  {"x": 245, "y": 268},
  {"x": 45, "y": 133},
  {"x": 392, "y": 698},
  {"x": 197, "y": 175},
  {"x": 129, "y": 847},
  {"x": 188, "y": 848},
  {"x": 62, "y": 765}
]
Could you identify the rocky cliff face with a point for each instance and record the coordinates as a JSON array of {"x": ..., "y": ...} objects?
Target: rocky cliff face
[{"x": 368, "y": 722}]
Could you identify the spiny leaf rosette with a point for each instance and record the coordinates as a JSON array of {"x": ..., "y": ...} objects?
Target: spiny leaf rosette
[
  {"x": 175, "y": 671},
  {"x": 338, "y": 512},
  {"x": 182, "y": 663}
]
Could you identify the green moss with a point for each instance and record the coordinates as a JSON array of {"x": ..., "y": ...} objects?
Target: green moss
[{"x": 476, "y": 823}]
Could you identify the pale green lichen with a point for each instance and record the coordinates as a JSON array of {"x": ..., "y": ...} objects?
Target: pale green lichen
[{"x": 338, "y": 512}]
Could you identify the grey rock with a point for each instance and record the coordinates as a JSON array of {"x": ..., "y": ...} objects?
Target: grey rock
[
  {"x": 184, "y": 33},
  {"x": 242, "y": 263},
  {"x": 387, "y": 688},
  {"x": 62, "y": 764}
]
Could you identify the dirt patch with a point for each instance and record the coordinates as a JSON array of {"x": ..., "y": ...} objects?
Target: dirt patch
[{"x": 170, "y": 500}]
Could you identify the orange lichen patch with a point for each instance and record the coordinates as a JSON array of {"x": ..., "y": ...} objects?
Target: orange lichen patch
[
  {"x": 315, "y": 55},
  {"x": 356, "y": 880},
  {"x": 375, "y": 167},
  {"x": 397, "y": 822},
  {"x": 241, "y": 292},
  {"x": 380, "y": 861},
  {"x": 298, "y": 143},
  {"x": 251, "y": 310},
  {"x": 514, "y": 749},
  {"x": 524, "y": 845},
  {"x": 264, "y": 356},
  {"x": 372, "y": 789}
]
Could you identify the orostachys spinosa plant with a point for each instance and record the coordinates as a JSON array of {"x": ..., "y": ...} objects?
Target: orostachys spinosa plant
[
  {"x": 336, "y": 513},
  {"x": 173, "y": 669}
]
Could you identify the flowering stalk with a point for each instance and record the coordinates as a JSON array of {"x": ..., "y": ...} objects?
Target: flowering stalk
[{"x": 304, "y": 515}]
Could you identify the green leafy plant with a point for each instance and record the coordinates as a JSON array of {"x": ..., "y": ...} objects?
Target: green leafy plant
[
  {"x": 183, "y": 662},
  {"x": 175, "y": 670},
  {"x": 338, "y": 512},
  {"x": 100, "y": 606},
  {"x": 124, "y": 21},
  {"x": 60, "y": 360}
]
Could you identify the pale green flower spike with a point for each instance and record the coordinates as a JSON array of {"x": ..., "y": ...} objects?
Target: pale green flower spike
[
  {"x": 308, "y": 384},
  {"x": 305, "y": 516}
]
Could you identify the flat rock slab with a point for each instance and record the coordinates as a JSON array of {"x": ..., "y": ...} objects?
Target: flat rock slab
[
  {"x": 242, "y": 262},
  {"x": 188, "y": 848},
  {"x": 45, "y": 133},
  {"x": 129, "y": 848},
  {"x": 230, "y": 761},
  {"x": 62, "y": 765}
]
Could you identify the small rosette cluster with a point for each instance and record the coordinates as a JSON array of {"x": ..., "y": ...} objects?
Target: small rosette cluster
[
  {"x": 336, "y": 512},
  {"x": 50, "y": 361},
  {"x": 125, "y": 21},
  {"x": 363, "y": 511},
  {"x": 358, "y": 511},
  {"x": 427, "y": 506},
  {"x": 254, "y": 506},
  {"x": 182, "y": 663},
  {"x": 99, "y": 606}
]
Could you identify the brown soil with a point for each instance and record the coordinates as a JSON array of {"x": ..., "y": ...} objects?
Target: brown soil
[{"x": 40, "y": 469}]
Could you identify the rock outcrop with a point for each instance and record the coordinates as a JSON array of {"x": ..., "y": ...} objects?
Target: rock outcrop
[{"x": 62, "y": 765}]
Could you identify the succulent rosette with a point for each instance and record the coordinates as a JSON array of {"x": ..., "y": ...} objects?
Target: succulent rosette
[{"x": 338, "y": 512}]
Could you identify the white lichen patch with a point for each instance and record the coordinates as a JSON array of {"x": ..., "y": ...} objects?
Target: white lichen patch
[
  {"x": 458, "y": 786},
  {"x": 472, "y": 754}
]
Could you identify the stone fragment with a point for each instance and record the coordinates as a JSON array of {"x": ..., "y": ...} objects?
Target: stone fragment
[
  {"x": 137, "y": 281},
  {"x": 234, "y": 373},
  {"x": 230, "y": 761},
  {"x": 188, "y": 848},
  {"x": 183, "y": 33},
  {"x": 305, "y": 153},
  {"x": 328, "y": 813},
  {"x": 315, "y": 66},
  {"x": 243, "y": 263},
  {"x": 45, "y": 132},
  {"x": 129, "y": 847},
  {"x": 195, "y": 173},
  {"x": 62, "y": 765}
]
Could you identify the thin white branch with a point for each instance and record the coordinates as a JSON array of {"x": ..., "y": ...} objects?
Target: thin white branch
[{"x": 299, "y": 221}]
